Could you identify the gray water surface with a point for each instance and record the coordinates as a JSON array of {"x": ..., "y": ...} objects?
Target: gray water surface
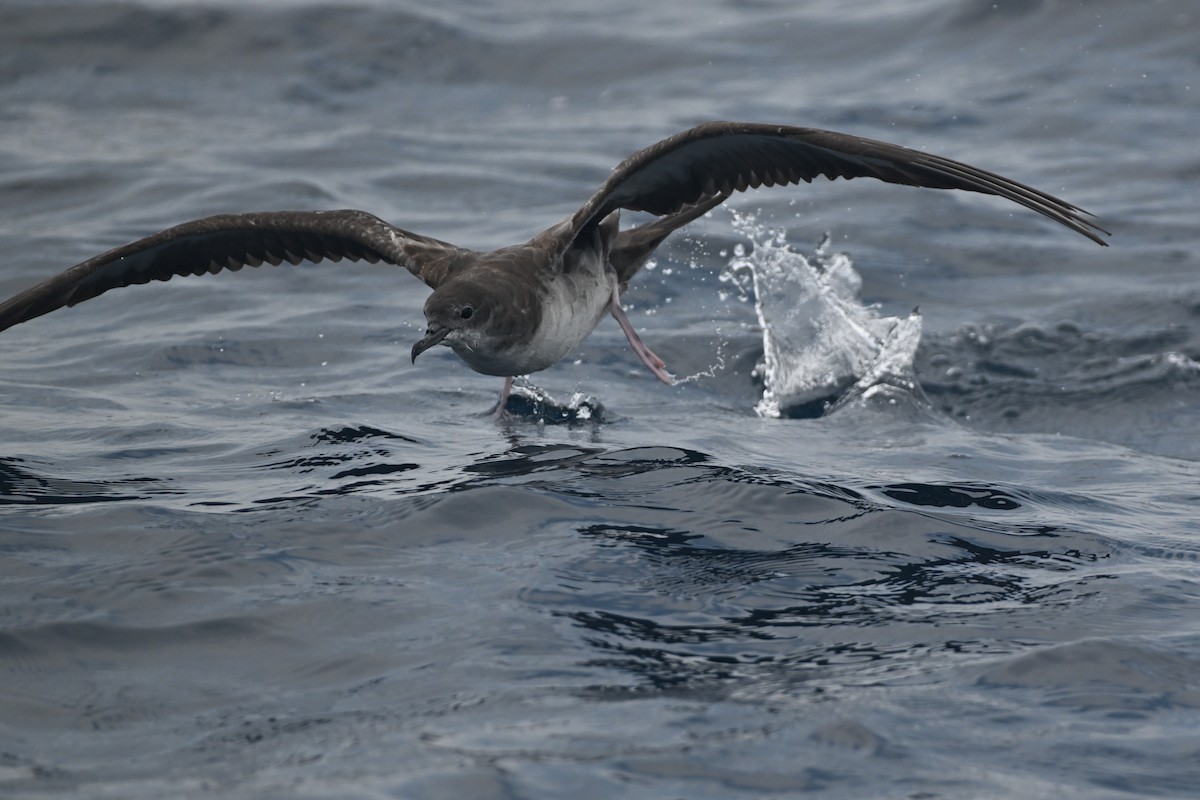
[{"x": 248, "y": 550}]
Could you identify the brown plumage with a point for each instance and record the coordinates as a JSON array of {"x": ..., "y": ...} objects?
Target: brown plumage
[{"x": 519, "y": 309}]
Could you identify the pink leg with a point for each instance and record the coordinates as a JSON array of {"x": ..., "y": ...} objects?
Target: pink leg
[
  {"x": 653, "y": 363},
  {"x": 504, "y": 393}
]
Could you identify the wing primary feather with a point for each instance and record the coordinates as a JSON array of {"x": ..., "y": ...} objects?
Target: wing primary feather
[
  {"x": 231, "y": 241},
  {"x": 728, "y": 156}
]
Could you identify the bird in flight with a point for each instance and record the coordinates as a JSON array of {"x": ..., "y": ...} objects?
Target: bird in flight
[{"x": 520, "y": 309}]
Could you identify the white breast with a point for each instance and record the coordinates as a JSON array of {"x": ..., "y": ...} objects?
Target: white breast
[{"x": 573, "y": 306}]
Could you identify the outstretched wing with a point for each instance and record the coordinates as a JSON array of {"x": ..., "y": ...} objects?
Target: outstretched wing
[
  {"x": 232, "y": 241},
  {"x": 718, "y": 158}
]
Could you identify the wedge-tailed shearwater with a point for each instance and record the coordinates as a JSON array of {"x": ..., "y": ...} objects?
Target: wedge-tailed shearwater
[{"x": 520, "y": 309}]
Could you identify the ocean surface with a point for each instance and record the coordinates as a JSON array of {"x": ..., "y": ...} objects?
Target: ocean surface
[{"x": 921, "y": 518}]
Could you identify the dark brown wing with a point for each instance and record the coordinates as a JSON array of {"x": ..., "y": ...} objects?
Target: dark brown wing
[
  {"x": 722, "y": 157},
  {"x": 232, "y": 241}
]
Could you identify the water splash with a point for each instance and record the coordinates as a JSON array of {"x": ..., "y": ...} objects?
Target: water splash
[
  {"x": 819, "y": 340},
  {"x": 528, "y": 401}
]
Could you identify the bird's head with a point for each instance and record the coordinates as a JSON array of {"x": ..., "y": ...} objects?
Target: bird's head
[{"x": 456, "y": 315}]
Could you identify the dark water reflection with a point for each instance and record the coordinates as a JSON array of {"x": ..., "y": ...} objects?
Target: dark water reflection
[
  {"x": 385, "y": 591},
  {"x": 718, "y": 573}
]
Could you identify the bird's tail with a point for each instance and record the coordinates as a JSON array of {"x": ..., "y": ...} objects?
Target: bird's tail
[{"x": 634, "y": 246}]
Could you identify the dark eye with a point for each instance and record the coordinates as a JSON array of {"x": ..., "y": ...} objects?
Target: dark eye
[{"x": 466, "y": 312}]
